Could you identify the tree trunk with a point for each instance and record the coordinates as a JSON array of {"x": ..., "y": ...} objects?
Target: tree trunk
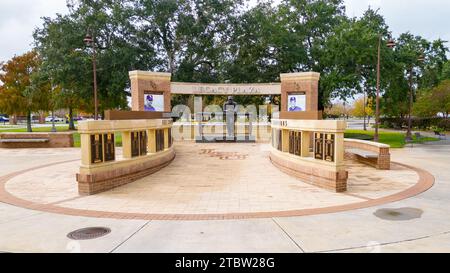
[
  {"x": 13, "y": 120},
  {"x": 42, "y": 118},
  {"x": 364, "y": 105},
  {"x": 71, "y": 123},
  {"x": 29, "y": 129},
  {"x": 365, "y": 126}
]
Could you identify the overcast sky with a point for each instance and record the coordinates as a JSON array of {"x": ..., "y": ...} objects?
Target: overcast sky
[{"x": 430, "y": 18}]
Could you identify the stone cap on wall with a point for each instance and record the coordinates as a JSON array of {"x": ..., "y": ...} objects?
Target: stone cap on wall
[
  {"x": 301, "y": 76},
  {"x": 226, "y": 88},
  {"x": 366, "y": 142},
  {"x": 148, "y": 74},
  {"x": 329, "y": 126},
  {"x": 104, "y": 126}
]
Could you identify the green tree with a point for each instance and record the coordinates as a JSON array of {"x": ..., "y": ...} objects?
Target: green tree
[
  {"x": 60, "y": 42},
  {"x": 313, "y": 22},
  {"x": 351, "y": 55},
  {"x": 434, "y": 101},
  {"x": 434, "y": 67},
  {"x": 120, "y": 48},
  {"x": 406, "y": 73},
  {"x": 445, "y": 71},
  {"x": 190, "y": 36},
  {"x": 223, "y": 41}
]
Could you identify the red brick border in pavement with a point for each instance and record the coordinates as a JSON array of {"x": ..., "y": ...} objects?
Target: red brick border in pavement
[{"x": 425, "y": 182}]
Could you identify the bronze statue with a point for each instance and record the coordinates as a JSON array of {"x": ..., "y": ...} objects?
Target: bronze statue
[{"x": 229, "y": 103}]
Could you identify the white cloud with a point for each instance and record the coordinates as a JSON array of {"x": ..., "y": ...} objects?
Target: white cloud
[
  {"x": 18, "y": 19},
  {"x": 429, "y": 19}
]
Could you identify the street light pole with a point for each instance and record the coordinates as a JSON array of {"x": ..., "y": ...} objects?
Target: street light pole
[
  {"x": 420, "y": 59},
  {"x": 409, "y": 133},
  {"x": 365, "y": 114},
  {"x": 90, "y": 41},
  {"x": 53, "y": 121},
  {"x": 390, "y": 44},
  {"x": 94, "y": 66},
  {"x": 377, "y": 109}
]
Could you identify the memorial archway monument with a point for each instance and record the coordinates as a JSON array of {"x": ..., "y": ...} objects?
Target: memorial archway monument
[
  {"x": 303, "y": 145},
  {"x": 293, "y": 85}
]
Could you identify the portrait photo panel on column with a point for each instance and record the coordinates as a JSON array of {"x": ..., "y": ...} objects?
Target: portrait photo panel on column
[
  {"x": 154, "y": 102},
  {"x": 296, "y": 102}
]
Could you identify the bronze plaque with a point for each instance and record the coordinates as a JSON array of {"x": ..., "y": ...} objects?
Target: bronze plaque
[
  {"x": 280, "y": 140},
  {"x": 291, "y": 142},
  {"x": 170, "y": 137},
  {"x": 159, "y": 140},
  {"x": 143, "y": 143},
  {"x": 298, "y": 143},
  {"x": 110, "y": 154},
  {"x": 329, "y": 147},
  {"x": 134, "y": 144},
  {"x": 277, "y": 139},
  {"x": 318, "y": 146},
  {"x": 96, "y": 149},
  {"x": 295, "y": 140}
]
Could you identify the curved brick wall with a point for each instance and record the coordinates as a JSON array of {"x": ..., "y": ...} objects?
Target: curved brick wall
[
  {"x": 119, "y": 173},
  {"x": 312, "y": 173}
]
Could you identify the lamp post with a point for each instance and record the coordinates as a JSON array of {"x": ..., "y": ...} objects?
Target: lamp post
[
  {"x": 90, "y": 41},
  {"x": 53, "y": 111},
  {"x": 408, "y": 137},
  {"x": 390, "y": 44},
  {"x": 53, "y": 121}
]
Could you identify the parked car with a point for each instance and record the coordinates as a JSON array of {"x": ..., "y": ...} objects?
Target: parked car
[
  {"x": 4, "y": 119},
  {"x": 57, "y": 119}
]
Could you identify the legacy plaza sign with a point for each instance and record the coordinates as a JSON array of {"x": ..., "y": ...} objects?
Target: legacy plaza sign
[{"x": 225, "y": 89}]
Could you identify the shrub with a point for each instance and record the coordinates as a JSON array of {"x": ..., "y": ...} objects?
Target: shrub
[{"x": 419, "y": 123}]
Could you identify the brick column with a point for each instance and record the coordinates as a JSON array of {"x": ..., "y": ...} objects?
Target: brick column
[
  {"x": 339, "y": 149},
  {"x": 285, "y": 140},
  {"x": 307, "y": 83},
  {"x": 384, "y": 159},
  {"x": 151, "y": 141},
  {"x": 166, "y": 138},
  {"x": 306, "y": 141},
  {"x": 144, "y": 82},
  {"x": 126, "y": 145},
  {"x": 85, "y": 140}
]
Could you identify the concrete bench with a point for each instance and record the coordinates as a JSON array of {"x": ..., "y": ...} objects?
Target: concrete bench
[
  {"x": 362, "y": 153},
  {"x": 371, "y": 153},
  {"x": 30, "y": 140},
  {"x": 36, "y": 140}
]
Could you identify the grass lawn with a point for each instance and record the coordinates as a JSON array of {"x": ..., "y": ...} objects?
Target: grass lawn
[
  {"x": 36, "y": 129},
  {"x": 76, "y": 135},
  {"x": 394, "y": 139}
]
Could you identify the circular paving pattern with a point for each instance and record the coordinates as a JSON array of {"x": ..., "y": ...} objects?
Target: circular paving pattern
[{"x": 210, "y": 182}]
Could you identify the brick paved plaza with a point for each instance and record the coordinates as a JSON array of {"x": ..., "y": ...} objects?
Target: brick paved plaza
[{"x": 228, "y": 193}]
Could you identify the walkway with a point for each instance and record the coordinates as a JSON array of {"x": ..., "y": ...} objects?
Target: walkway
[{"x": 420, "y": 223}]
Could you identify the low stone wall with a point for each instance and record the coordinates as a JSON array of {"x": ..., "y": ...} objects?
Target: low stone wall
[
  {"x": 320, "y": 175},
  {"x": 55, "y": 140},
  {"x": 383, "y": 162},
  {"x": 113, "y": 175}
]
